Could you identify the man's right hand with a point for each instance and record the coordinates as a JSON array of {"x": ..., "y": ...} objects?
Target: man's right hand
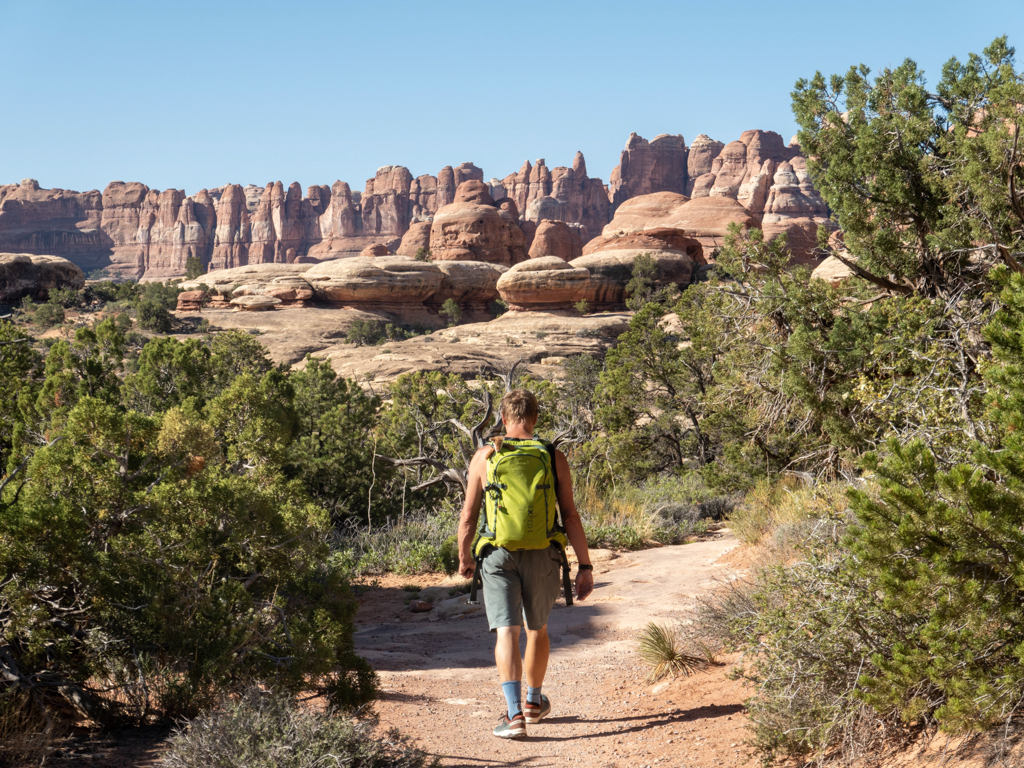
[{"x": 466, "y": 569}]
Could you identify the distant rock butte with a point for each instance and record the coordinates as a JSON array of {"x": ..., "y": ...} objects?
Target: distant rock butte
[{"x": 132, "y": 231}]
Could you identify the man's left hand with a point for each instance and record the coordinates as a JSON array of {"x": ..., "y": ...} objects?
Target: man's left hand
[{"x": 584, "y": 584}]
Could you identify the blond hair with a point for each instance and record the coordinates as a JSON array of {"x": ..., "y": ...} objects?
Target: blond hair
[{"x": 519, "y": 407}]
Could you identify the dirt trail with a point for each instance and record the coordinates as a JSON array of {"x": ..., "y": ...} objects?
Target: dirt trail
[{"x": 439, "y": 684}]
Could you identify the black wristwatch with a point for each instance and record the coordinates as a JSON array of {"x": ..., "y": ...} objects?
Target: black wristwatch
[{"x": 584, "y": 567}]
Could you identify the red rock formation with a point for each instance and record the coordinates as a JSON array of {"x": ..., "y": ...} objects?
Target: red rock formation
[
  {"x": 416, "y": 238},
  {"x": 556, "y": 238},
  {"x": 702, "y": 154},
  {"x": 645, "y": 167},
  {"x": 795, "y": 208},
  {"x": 706, "y": 219},
  {"x": 232, "y": 234},
  {"x": 543, "y": 284},
  {"x": 472, "y": 228}
]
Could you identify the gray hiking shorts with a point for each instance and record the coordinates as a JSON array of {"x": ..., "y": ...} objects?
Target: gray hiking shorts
[{"x": 521, "y": 584}]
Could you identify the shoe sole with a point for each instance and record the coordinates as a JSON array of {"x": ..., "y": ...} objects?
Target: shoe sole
[
  {"x": 535, "y": 720},
  {"x": 512, "y": 735}
]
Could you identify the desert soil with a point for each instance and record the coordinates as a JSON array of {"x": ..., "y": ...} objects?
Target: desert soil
[{"x": 439, "y": 684}]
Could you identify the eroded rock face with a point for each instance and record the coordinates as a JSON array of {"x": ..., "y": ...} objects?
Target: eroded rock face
[
  {"x": 795, "y": 208},
  {"x": 377, "y": 249},
  {"x": 705, "y": 219},
  {"x": 471, "y": 284},
  {"x": 416, "y": 238},
  {"x": 255, "y": 280},
  {"x": 556, "y": 238},
  {"x": 559, "y": 194},
  {"x": 35, "y": 275},
  {"x": 253, "y": 303},
  {"x": 381, "y": 281},
  {"x": 702, "y": 154},
  {"x": 610, "y": 260},
  {"x": 543, "y": 284},
  {"x": 645, "y": 166},
  {"x": 473, "y": 229}
]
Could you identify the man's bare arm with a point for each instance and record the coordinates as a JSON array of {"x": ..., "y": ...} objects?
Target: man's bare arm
[
  {"x": 573, "y": 526},
  {"x": 471, "y": 511}
]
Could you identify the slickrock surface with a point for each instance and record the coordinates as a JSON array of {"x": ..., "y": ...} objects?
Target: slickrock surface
[
  {"x": 610, "y": 261},
  {"x": 540, "y": 339},
  {"x": 439, "y": 682},
  {"x": 382, "y": 280},
  {"x": 23, "y": 274},
  {"x": 543, "y": 283}
]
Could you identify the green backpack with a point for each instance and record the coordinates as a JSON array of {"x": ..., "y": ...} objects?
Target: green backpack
[
  {"x": 521, "y": 506},
  {"x": 520, "y": 502}
]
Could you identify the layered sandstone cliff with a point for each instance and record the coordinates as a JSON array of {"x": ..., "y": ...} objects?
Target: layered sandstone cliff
[{"x": 133, "y": 231}]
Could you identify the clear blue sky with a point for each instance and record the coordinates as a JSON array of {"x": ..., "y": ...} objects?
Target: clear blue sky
[{"x": 198, "y": 94}]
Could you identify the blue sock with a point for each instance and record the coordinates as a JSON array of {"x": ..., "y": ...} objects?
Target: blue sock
[
  {"x": 513, "y": 691},
  {"x": 533, "y": 694}
]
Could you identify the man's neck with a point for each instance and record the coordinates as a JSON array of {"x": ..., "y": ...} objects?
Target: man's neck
[{"x": 519, "y": 431}]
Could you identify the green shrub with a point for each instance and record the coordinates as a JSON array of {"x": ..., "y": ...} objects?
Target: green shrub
[
  {"x": 582, "y": 306},
  {"x": 48, "y": 315},
  {"x": 265, "y": 730},
  {"x": 153, "y": 316},
  {"x": 497, "y": 308},
  {"x": 66, "y": 297},
  {"x": 194, "y": 268},
  {"x": 365, "y": 333},
  {"x": 422, "y": 254},
  {"x": 451, "y": 312}
]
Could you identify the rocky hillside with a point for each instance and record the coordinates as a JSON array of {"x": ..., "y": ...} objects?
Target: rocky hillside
[{"x": 138, "y": 232}]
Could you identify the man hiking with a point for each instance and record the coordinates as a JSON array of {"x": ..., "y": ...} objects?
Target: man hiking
[{"x": 520, "y": 551}]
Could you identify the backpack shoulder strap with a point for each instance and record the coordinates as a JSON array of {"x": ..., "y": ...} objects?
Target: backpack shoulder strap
[{"x": 554, "y": 479}]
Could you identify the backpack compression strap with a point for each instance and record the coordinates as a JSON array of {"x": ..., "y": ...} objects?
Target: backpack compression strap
[{"x": 566, "y": 576}]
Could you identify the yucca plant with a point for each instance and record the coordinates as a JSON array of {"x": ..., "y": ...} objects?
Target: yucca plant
[{"x": 660, "y": 649}]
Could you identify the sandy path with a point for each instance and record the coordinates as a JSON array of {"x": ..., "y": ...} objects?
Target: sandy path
[{"x": 439, "y": 684}]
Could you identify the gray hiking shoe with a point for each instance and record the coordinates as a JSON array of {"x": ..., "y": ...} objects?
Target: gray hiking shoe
[
  {"x": 511, "y": 729},
  {"x": 535, "y": 712}
]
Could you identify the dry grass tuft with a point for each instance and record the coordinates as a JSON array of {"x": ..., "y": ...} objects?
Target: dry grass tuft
[{"x": 661, "y": 650}]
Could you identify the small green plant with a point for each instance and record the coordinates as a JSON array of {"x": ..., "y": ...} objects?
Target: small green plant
[
  {"x": 541, "y": 335},
  {"x": 582, "y": 306},
  {"x": 203, "y": 326},
  {"x": 194, "y": 268},
  {"x": 48, "y": 315},
  {"x": 423, "y": 254},
  {"x": 153, "y": 316},
  {"x": 451, "y": 312},
  {"x": 365, "y": 333},
  {"x": 411, "y": 587},
  {"x": 661, "y": 650},
  {"x": 497, "y": 308},
  {"x": 267, "y": 730},
  {"x": 66, "y": 297}
]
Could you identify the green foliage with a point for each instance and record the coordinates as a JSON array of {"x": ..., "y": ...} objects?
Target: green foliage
[
  {"x": 451, "y": 312},
  {"x": 497, "y": 308},
  {"x": 68, "y": 298},
  {"x": 365, "y": 333},
  {"x": 48, "y": 315},
  {"x": 582, "y": 306},
  {"x": 194, "y": 268},
  {"x": 912, "y": 209},
  {"x": 423, "y": 254},
  {"x": 153, "y": 316},
  {"x": 265, "y": 730},
  {"x": 165, "y": 523}
]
